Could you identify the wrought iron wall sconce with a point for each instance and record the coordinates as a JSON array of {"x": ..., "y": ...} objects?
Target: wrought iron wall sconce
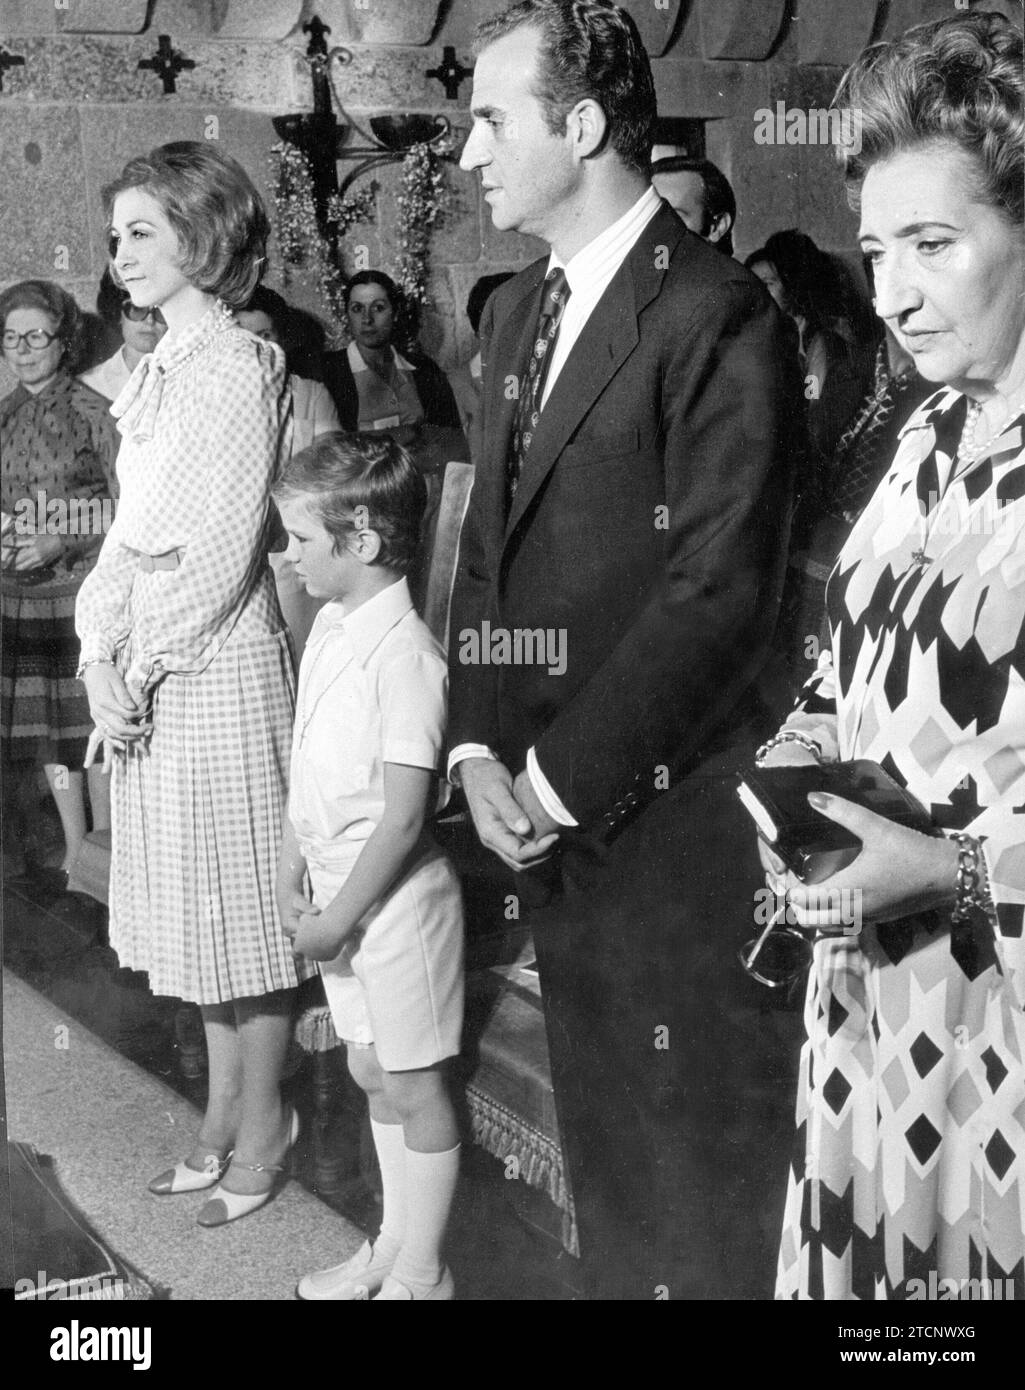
[{"x": 322, "y": 138}]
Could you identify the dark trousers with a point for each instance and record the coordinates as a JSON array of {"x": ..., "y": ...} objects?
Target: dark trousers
[{"x": 674, "y": 1073}]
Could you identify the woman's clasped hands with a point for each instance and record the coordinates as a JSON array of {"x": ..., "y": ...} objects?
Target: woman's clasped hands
[
  {"x": 120, "y": 712},
  {"x": 24, "y": 553},
  {"x": 898, "y": 872}
]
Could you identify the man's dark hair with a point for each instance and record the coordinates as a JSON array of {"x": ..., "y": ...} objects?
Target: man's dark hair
[
  {"x": 588, "y": 49},
  {"x": 719, "y": 196},
  {"x": 481, "y": 292}
]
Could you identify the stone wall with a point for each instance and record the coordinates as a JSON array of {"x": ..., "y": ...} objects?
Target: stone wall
[{"x": 79, "y": 106}]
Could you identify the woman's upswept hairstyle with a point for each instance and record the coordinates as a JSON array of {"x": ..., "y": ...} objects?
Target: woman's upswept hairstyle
[
  {"x": 957, "y": 80},
  {"x": 340, "y": 472},
  {"x": 374, "y": 277},
  {"x": 69, "y": 324},
  {"x": 214, "y": 208},
  {"x": 588, "y": 49}
]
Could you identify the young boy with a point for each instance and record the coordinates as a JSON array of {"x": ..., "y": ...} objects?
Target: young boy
[{"x": 386, "y": 922}]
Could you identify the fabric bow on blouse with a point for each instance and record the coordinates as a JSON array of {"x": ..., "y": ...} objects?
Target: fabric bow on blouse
[{"x": 138, "y": 405}]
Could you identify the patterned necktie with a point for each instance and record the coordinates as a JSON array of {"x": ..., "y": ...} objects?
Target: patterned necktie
[{"x": 532, "y": 384}]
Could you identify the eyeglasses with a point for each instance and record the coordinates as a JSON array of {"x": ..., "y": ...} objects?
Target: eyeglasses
[
  {"x": 138, "y": 313},
  {"x": 783, "y": 953},
  {"x": 35, "y": 337}
]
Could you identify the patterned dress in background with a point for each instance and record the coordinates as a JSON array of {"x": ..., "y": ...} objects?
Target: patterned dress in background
[
  {"x": 909, "y": 1163},
  {"x": 197, "y": 808},
  {"x": 57, "y": 447}
]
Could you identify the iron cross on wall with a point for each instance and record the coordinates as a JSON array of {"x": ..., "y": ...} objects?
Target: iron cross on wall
[
  {"x": 9, "y": 60},
  {"x": 168, "y": 63}
]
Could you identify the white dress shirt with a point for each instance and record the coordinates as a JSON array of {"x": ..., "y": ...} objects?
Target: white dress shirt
[
  {"x": 372, "y": 690},
  {"x": 589, "y": 274}
]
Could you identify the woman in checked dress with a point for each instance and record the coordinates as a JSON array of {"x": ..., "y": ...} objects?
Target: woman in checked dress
[{"x": 185, "y": 656}]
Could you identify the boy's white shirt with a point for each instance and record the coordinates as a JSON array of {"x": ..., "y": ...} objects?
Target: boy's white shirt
[{"x": 373, "y": 688}]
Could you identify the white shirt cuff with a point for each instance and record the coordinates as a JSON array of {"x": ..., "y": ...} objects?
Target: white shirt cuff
[
  {"x": 544, "y": 793},
  {"x": 463, "y": 751}
]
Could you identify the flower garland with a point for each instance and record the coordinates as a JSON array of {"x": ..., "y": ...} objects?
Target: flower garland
[
  {"x": 421, "y": 204},
  {"x": 304, "y": 246},
  {"x": 308, "y": 251}
]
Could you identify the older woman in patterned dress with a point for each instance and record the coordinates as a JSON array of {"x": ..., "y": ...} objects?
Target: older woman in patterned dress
[
  {"x": 57, "y": 451},
  {"x": 909, "y": 1168},
  {"x": 185, "y": 656}
]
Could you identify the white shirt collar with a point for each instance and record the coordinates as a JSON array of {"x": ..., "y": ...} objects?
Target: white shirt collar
[
  {"x": 600, "y": 258},
  {"x": 368, "y": 625},
  {"x": 357, "y": 364}
]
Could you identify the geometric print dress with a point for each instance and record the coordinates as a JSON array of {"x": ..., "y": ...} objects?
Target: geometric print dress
[
  {"x": 197, "y": 807},
  {"x": 909, "y": 1159}
]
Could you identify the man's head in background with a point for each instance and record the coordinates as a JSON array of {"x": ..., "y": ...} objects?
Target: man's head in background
[
  {"x": 479, "y": 295},
  {"x": 701, "y": 195}
]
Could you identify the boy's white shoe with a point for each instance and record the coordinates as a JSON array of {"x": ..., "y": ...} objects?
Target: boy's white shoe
[
  {"x": 357, "y": 1279},
  {"x": 393, "y": 1289}
]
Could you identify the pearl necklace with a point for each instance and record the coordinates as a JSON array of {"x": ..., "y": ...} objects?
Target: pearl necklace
[
  {"x": 968, "y": 453},
  {"x": 968, "y": 450}
]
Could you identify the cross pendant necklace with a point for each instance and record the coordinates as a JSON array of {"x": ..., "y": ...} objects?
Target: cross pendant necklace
[
  {"x": 965, "y": 455},
  {"x": 304, "y": 716}
]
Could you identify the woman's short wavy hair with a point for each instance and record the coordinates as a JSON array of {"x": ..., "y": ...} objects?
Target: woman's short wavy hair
[
  {"x": 956, "y": 80},
  {"x": 69, "y": 324},
  {"x": 214, "y": 208}
]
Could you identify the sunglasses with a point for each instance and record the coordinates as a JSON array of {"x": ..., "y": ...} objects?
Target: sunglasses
[
  {"x": 138, "y": 313},
  {"x": 780, "y": 956}
]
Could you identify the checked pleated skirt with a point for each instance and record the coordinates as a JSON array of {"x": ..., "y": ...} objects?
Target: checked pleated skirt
[{"x": 196, "y": 829}]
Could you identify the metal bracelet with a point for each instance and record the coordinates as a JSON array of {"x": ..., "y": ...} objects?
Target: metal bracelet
[
  {"x": 789, "y": 736},
  {"x": 969, "y": 894}
]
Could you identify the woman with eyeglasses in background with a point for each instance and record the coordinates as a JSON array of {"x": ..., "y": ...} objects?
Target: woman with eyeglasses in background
[
  {"x": 141, "y": 327},
  {"x": 57, "y": 449}
]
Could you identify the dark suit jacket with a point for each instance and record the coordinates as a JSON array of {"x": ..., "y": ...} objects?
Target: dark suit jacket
[{"x": 650, "y": 523}]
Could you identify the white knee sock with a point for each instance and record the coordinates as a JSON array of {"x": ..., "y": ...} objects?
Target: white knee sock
[
  {"x": 391, "y": 1155},
  {"x": 431, "y": 1183}
]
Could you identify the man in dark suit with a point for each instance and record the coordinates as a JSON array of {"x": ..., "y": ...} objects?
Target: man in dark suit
[{"x": 629, "y": 521}]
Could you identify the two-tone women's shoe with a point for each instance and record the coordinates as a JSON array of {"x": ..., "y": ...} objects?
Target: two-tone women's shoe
[
  {"x": 223, "y": 1205},
  {"x": 183, "y": 1178}
]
